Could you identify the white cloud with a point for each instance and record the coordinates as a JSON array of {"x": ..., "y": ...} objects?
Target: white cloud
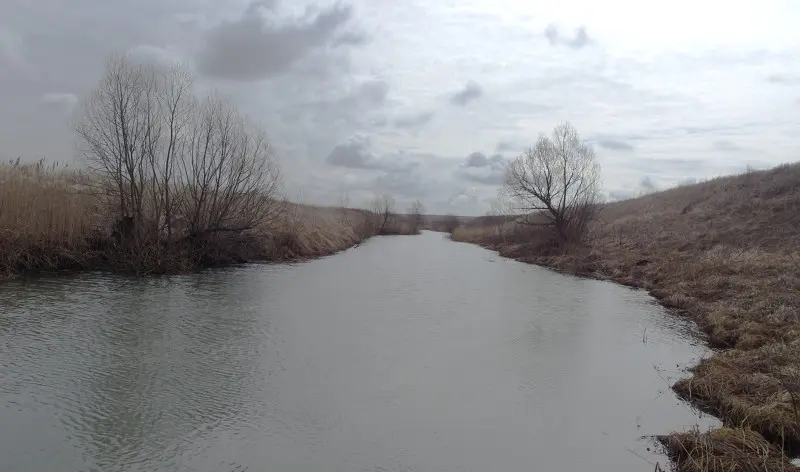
[
  {"x": 365, "y": 96},
  {"x": 64, "y": 101}
]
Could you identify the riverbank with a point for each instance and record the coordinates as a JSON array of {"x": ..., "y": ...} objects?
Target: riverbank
[
  {"x": 725, "y": 253},
  {"x": 52, "y": 219}
]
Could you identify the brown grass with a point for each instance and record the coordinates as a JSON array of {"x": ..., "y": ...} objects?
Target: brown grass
[
  {"x": 45, "y": 219},
  {"x": 724, "y": 450},
  {"x": 724, "y": 252},
  {"x": 308, "y": 231},
  {"x": 50, "y": 221}
]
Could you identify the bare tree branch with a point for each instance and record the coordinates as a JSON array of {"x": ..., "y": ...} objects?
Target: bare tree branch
[
  {"x": 555, "y": 183},
  {"x": 176, "y": 165}
]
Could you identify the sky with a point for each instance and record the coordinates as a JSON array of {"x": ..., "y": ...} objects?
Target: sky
[{"x": 429, "y": 100}]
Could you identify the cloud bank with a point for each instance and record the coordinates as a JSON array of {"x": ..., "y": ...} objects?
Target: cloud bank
[{"x": 430, "y": 101}]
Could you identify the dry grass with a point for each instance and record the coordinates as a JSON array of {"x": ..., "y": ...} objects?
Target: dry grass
[
  {"x": 755, "y": 388},
  {"x": 42, "y": 202},
  {"x": 724, "y": 450},
  {"x": 50, "y": 220},
  {"x": 307, "y": 231},
  {"x": 724, "y": 252},
  {"x": 45, "y": 218}
]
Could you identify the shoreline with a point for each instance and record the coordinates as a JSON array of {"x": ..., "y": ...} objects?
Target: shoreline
[
  {"x": 311, "y": 232},
  {"x": 288, "y": 257},
  {"x": 291, "y": 259},
  {"x": 735, "y": 442}
]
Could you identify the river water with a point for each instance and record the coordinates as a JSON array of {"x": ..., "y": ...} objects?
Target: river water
[{"x": 404, "y": 354}]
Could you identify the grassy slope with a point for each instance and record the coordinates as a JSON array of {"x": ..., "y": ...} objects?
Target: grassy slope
[
  {"x": 47, "y": 223},
  {"x": 726, "y": 253}
]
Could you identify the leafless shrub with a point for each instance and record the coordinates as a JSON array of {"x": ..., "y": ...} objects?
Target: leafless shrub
[
  {"x": 555, "y": 183},
  {"x": 174, "y": 166},
  {"x": 382, "y": 208},
  {"x": 415, "y": 216},
  {"x": 229, "y": 171}
]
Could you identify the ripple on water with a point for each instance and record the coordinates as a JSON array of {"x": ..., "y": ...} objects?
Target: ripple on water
[{"x": 404, "y": 354}]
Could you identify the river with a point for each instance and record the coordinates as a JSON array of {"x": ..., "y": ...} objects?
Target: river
[{"x": 408, "y": 353}]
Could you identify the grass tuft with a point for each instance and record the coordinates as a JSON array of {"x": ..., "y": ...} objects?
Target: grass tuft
[{"x": 724, "y": 450}]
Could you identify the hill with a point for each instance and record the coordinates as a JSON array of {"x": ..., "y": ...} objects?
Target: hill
[{"x": 724, "y": 252}]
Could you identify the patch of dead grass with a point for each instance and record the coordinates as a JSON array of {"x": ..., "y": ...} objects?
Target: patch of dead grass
[
  {"x": 756, "y": 388},
  {"x": 724, "y": 450}
]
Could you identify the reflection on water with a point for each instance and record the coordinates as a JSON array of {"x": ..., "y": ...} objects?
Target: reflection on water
[
  {"x": 133, "y": 371},
  {"x": 407, "y": 353}
]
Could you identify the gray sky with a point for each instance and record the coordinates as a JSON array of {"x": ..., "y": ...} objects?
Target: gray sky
[{"x": 428, "y": 100}]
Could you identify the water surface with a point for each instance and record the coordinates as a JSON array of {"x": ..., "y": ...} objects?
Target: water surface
[{"x": 404, "y": 354}]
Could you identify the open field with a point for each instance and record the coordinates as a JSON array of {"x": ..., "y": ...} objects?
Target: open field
[{"x": 725, "y": 252}]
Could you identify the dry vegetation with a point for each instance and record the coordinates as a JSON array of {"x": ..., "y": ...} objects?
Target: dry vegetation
[
  {"x": 724, "y": 450},
  {"x": 724, "y": 252},
  {"x": 51, "y": 219},
  {"x": 173, "y": 181},
  {"x": 444, "y": 223},
  {"x": 385, "y": 221},
  {"x": 553, "y": 185},
  {"x": 46, "y": 221}
]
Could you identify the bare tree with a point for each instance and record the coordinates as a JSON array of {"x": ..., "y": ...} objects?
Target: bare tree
[
  {"x": 555, "y": 183},
  {"x": 172, "y": 162},
  {"x": 117, "y": 130},
  {"x": 175, "y": 103},
  {"x": 229, "y": 172},
  {"x": 382, "y": 209},
  {"x": 415, "y": 216}
]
